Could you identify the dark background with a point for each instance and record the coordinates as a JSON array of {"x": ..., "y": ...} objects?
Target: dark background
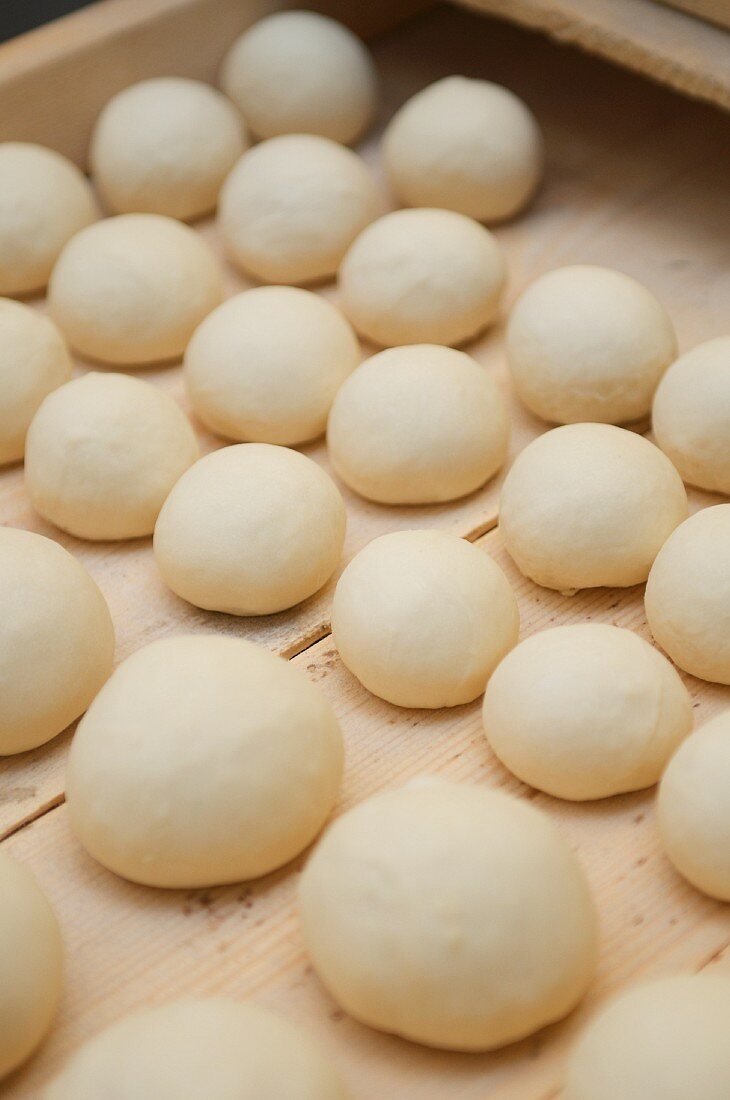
[{"x": 17, "y": 16}]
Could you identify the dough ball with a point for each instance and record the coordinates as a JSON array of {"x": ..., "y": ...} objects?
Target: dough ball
[
  {"x": 422, "y": 277},
  {"x": 164, "y": 146},
  {"x": 586, "y": 711},
  {"x": 132, "y": 289},
  {"x": 452, "y": 915},
  {"x": 250, "y": 530},
  {"x": 423, "y": 617},
  {"x": 588, "y": 343},
  {"x": 466, "y": 145},
  {"x": 417, "y": 425},
  {"x": 103, "y": 453},
  {"x": 33, "y": 361},
  {"x": 588, "y": 505},
  {"x": 266, "y": 365},
  {"x": 300, "y": 72},
  {"x": 688, "y": 595},
  {"x": 691, "y": 415},
  {"x": 56, "y": 640},
  {"x": 292, "y": 206},
  {"x": 44, "y": 200}
]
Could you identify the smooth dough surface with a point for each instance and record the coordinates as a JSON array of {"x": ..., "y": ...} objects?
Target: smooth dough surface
[
  {"x": 588, "y": 505},
  {"x": 455, "y": 916}
]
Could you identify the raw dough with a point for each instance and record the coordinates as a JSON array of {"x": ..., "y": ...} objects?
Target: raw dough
[
  {"x": 452, "y": 915},
  {"x": 422, "y": 617},
  {"x": 103, "y": 453},
  {"x": 417, "y": 425},
  {"x": 588, "y": 505}
]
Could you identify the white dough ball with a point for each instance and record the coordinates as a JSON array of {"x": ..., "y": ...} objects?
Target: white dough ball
[
  {"x": 132, "y": 289},
  {"x": 588, "y": 505},
  {"x": 588, "y": 343},
  {"x": 417, "y": 425},
  {"x": 250, "y": 530},
  {"x": 452, "y": 915},
  {"x": 204, "y": 760},
  {"x": 265, "y": 366},
  {"x": 586, "y": 711},
  {"x": 103, "y": 452},
  {"x": 422, "y": 277},
  {"x": 421, "y": 618}
]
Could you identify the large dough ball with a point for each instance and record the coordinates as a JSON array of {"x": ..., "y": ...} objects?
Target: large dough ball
[
  {"x": 423, "y": 617},
  {"x": 466, "y": 145},
  {"x": 265, "y": 366},
  {"x": 132, "y": 289},
  {"x": 204, "y": 760},
  {"x": 250, "y": 530},
  {"x": 452, "y": 915},
  {"x": 417, "y": 425},
  {"x": 103, "y": 453},
  {"x": 56, "y": 640},
  {"x": 586, "y": 711},
  {"x": 588, "y": 343},
  {"x": 588, "y": 505}
]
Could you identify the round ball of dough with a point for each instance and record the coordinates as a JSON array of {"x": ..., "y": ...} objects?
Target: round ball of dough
[
  {"x": 480, "y": 927},
  {"x": 465, "y": 145},
  {"x": 164, "y": 146},
  {"x": 103, "y": 453},
  {"x": 588, "y": 343},
  {"x": 250, "y": 530},
  {"x": 586, "y": 711},
  {"x": 56, "y": 639},
  {"x": 44, "y": 200},
  {"x": 422, "y": 617},
  {"x": 417, "y": 425},
  {"x": 688, "y": 595},
  {"x": 265, "y": 366},
  {"x": 588, "y": 505},
  {"x": 300, "y": 72},
  {"x": 422, "y": 277},
  {"x": 34, "y": 360},
  {"x": 132, "y": 289}
]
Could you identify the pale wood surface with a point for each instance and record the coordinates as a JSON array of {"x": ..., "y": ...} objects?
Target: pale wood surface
[{"x": 716, "y": 11}]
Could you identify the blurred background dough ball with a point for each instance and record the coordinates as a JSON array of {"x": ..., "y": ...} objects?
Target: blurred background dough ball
[
  {"x": 102, "y": 454},
  {"x": 131, "y": 290},
  {"x": 422, "y": 277},
  {"x": 416, "y": 425},
  {"x": 588, "y": 343},
  {"x": 588, "y": 505},
  {"x": 292, "y": 206},
  {"x": 421, "y": 618},
  {"x": 164, "y": 146},
  {"x": 265, "y": 366},
  {"x": 466, "y": 145}
]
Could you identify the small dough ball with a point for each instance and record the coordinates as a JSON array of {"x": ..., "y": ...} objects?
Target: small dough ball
[
  {"x": 250, "y": 530},
  {"x": 204, "y": 760},
  {"x": 164, "y": 146},
  {"x": 423, "y": 617},
  {"x": 265, "y": 366},
  {"x": 588, "y": 343},
  {"x": 44, "y": 201},
  {"x": 691, "y": 415},
  {"x": 422, "y": 277},
  {"x": 418, "y": 425},
  {"x": 586, "y": 711},
  {"x": 300, "y": 72},
  {"x": 56, "y": 640},
  {"x": 688, "y": 595},
  {"x": 132, "y": 289},
  {"x": 588, "y": 505},
  {"x": 452, "y": 915},
  {"x": 103, "y": 453},
  {"x": 466, "y": 145}
]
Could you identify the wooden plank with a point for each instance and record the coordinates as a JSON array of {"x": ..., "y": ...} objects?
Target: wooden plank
[{"x": 715, "y": 11}]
